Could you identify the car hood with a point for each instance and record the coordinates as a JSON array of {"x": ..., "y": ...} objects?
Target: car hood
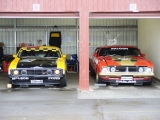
[
  {"x": 127, "y": 61},
  {"x": 36, "y": 62}
]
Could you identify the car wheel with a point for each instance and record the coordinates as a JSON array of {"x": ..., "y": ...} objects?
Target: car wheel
[
  {"x": 98, "y": 80},
  {"x": 63, "y": 82},
  {"x": 92, "y": 73},
  {"x": 148, "y": 83}
]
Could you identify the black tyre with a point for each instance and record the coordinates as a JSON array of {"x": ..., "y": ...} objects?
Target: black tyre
[
  {"x": 98, "y": 79},
  {"x": 63, "y": 82},
  {"x": 148, "y": 83},
  {"x": 92, "y": 73}
]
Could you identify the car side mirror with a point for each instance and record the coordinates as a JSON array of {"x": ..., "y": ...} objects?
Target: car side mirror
[
  {"x": 95, "y": 55},
  {"x": 64, "y": 56},
  {"x": 143, "y": 55},
  {"x": 14, "y": 55}
]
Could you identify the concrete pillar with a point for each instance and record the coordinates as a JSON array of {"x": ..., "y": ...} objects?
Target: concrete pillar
[{"x": 84, "y": 51}]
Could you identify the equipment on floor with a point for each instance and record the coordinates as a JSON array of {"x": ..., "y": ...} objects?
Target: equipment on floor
[
  {"x": 1, "y": 55},
  {"x": 6, "y": 62},
  {"x": 72, "y": 63},
  {"x": 5, "y": 66}
]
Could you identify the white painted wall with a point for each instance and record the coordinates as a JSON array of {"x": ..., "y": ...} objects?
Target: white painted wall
[{"x": 149, "y": 41}]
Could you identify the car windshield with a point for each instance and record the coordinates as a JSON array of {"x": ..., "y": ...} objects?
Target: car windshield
[
  {"x": 119, "y": 52},
  {"x": 40, "y": 53}
]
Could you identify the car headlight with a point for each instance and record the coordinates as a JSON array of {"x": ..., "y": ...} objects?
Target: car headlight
[
  {"x": 104, "y": 70},
  {"x": 15, "y": 72},
  {"x": 57, "y": 72},
  {"x": 148, "y": 70},
  {"x": 112, "y": 69},
  {"x": 140, "y": 69}
]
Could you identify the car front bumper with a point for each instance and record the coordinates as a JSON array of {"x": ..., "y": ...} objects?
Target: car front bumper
[
  {"x": 50, "y": 80},
  {"x": 126, "y": 79}
]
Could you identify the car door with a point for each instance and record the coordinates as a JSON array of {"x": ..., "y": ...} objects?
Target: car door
[{"x": 95, "y": 58}]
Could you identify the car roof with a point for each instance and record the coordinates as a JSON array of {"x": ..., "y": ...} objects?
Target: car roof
[
  {"x": 40, "y": 48},
  {"x": 118, "y": 46}
]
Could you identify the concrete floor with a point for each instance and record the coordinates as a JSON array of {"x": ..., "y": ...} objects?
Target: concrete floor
[{"x": 123, "y": 102}]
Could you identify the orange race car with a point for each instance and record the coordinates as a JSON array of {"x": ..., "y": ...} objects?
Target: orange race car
[{"x": 121, "y": 64}]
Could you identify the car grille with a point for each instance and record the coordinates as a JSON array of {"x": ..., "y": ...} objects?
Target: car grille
[
  {"x": 127, "y": 69},
  {"x": 36, "y": 72},
  {"x": 42, "y": 71}
]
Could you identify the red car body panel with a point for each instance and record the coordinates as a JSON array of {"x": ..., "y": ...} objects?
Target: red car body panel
[{"x": 119, "y": 63}]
